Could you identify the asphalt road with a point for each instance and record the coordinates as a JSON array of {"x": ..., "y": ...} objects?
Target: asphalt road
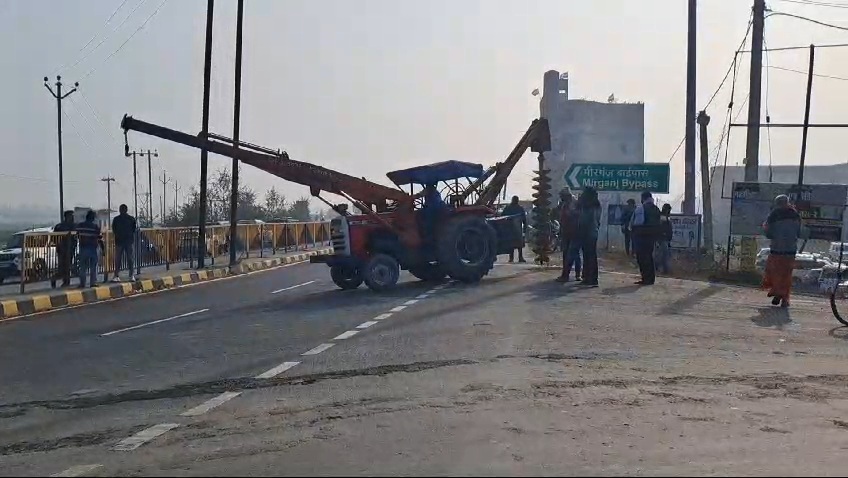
[{"x": 517, "y": 375}]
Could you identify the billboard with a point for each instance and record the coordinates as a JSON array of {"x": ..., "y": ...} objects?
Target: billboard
[
  {"x": 686, "y": 231},
  {"x": 820, "y": 205}
]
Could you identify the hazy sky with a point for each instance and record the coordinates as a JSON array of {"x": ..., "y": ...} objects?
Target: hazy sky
[{"x": 368, "y": 86}]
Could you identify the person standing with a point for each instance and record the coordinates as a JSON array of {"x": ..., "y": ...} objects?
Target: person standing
[
  {"x": 588, "y": 223},
  {"x": 65, "y": 249},
  {"x": 783, "y": 228},
  {"x": 663, "y": 249},
  {"x": 515, "y": 209},
  {"x": 568, "y": 237},
  {"x": 124, "y": 230},
  {"x": 626, "y": 227},
  {"x": 90, "y": 239},
  {"x": 645, "y": 226}
]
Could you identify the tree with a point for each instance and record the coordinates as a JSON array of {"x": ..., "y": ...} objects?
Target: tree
[
  {"x": 299, "y": 210},
  {"x": 275, "y": 205}
]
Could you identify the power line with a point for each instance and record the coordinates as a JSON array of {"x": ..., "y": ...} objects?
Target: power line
[
  {"x": 721, "y": 85},
  {"x": 97, "y": 117},
  {"x": 832, "y": 77},
  {"x": 802, "y": 47},
  {"x": 80, "y": 60},
  {"x": 127, "y": 40},
  {"x": 94, "y": 37},
  {"x": 807, "y": 19},
  {"x": 816, "y": 3}
]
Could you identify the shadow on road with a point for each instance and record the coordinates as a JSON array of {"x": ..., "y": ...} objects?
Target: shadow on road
[
  {"x": 690, "y": 300},
  {"x": 776, "y": 317},
  {"x": 840, "y": 332}
]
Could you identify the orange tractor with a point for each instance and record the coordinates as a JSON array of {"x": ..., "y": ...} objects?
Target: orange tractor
[{"x": 447, "y": 228}]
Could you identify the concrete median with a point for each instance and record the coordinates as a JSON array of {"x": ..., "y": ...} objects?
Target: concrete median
[{"x": 65, "y": 298}]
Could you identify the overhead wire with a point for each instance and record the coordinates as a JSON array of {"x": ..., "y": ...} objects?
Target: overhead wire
[
  {"x": 94, "y": 37},
  {"x": 819, "y": 75},
  {"x": 108, "y": 35},
  {"x": 815, "y": 3},
  {"x": 140, "y": 27},
  {"x": 807, "y": 19}
]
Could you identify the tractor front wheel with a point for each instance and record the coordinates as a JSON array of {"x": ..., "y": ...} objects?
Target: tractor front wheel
[
  {"x": 381, "y": 272},
  {"x": 467, "y": 248},
  {"x": 346, "y": 277}
]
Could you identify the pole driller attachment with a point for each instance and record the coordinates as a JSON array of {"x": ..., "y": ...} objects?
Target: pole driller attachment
[{"x": 542, "y": 213}]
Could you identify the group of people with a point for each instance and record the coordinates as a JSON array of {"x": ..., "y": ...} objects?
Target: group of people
[
  {"x": 89, "y": 239},
  {"x": 647, "y": 228},
  {"x": 579, "y": 222}
]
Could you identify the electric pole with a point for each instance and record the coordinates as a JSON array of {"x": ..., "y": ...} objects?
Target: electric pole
[
  {"x": 59, "y": 97},
  {"x": 691, "y": 69},
  {"x": 164, "y": 182},
  {"x": 108, "y": 180},
  {"x": 204, "y": 130},
  {"x": 133, "y": 154},
  {"x": 752, "y": 146},
  {"x": 236, "y": 125},
  {"x": 154, "y": 154},
  {"x": 176, "y": 196},
  {"x": 706, "y": 192}
]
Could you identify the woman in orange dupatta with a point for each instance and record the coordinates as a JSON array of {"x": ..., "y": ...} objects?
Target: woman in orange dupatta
[{"x": 783, "y": 228}]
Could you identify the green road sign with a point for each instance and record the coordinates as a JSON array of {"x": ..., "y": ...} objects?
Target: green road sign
[{"x": 619, "y": 177}]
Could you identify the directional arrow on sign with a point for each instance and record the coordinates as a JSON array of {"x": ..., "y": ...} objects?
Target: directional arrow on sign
[{"x": 571, "y": 176}]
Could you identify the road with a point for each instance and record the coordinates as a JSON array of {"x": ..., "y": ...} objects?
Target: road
[{"x": 518, "y": 375}]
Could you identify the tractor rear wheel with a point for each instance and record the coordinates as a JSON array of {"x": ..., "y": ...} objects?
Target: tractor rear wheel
[
  {"x": 428, "y": 272},
  {"x": 466, "y": 248},
  {"x": 381, "y": 272},
  {"x": 346, "y": 277}
]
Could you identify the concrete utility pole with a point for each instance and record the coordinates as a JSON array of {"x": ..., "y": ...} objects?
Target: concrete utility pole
[
  {"x": 155, "y": 154},
  {"x": 134, "y": 154},
  {"x": 806, "y": 127},
  {"x": 234, "y": 194},
  {"x": 706, "y": 191},
  {"x": 164, "y": 182},
  {"x": 59, "y": 97},
  {"x": 108, "y": 180},
  {"x": 204, "y": 130},
  {"x": 752, "y": 147},
  {"x": 691, "y": 85},
  {"x": 176, "y": 196}
]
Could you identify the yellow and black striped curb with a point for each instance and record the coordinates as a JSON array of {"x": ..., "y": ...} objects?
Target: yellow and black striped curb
[
  {"x": 278, "y": 261},
  {"x": 65, "y": 298}
]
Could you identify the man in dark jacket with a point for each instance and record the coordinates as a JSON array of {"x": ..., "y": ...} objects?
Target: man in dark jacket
[
  {"x": 568, "y": 237},
  {"x": 626, "y": 227},
  {"x": 646, "y": 230},
  {"x": 65, "y": 248},
  {"x": 90, "y": 239},
  {"x": 124, "y": 231},
  {"x": 663, "y": 260},
  {"x": 515, "y": 209}
]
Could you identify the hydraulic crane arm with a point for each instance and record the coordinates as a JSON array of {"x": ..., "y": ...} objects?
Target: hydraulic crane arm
[
  {"x": 279, "y": 164},
  {"x": 537, "y": 138}
]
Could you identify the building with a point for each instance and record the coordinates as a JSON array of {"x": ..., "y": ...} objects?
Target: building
[
  {"x": 594, "y": 132},
  {"x": 723, "y": 179}
]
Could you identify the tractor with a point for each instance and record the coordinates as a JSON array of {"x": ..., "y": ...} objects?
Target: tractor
[{"x": 443, "y": 226}]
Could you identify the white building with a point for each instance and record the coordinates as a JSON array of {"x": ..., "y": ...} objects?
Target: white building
[{"x": 584, "y": 131}]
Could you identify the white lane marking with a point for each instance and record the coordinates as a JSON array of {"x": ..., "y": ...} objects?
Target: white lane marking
[
  {"x": 411, "y": 302},
  {"x": 398, "y": 308},
  {"x": 144, "y": 436},
  {"x": 187, "y": 314},
  {"x": 423, "y": 296},
  {"x": 346, "y": 335},
  {"x": 382, "y": 317},
  {"x": 210, "y": 404},
  {"x": 317, "y": 350},
  {"x": 365, "y": 325},
  {"x": 277, "y": 370},
  {"x": 79, "y": 470},
  {"x": 293, "y": 287}
]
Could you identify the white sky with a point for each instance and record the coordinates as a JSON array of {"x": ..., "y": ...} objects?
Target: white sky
[{"x": 368, "y": 86}]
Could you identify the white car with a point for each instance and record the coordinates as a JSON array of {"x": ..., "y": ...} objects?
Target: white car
[{"x": 41, "y": 257}]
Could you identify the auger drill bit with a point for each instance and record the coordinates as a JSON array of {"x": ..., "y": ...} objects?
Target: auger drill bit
[{"x": 541, "y": 215}]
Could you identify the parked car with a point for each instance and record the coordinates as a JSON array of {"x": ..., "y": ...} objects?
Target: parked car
[
  {"x": 828, "y": 281},
  {"x": 39, "y": 262},
  {"x": 805, "y": 264}
]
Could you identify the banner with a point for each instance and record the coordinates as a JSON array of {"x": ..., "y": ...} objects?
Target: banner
[{"x": 686, "y": 231}]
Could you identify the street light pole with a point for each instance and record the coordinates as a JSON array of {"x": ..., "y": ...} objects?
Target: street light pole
[
  {"x": 127, "y": 153},
  {"x": 59, "y": 97}
]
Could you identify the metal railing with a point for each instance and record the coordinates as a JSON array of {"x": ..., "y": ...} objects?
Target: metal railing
[{"x": 43, "y": 255}]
